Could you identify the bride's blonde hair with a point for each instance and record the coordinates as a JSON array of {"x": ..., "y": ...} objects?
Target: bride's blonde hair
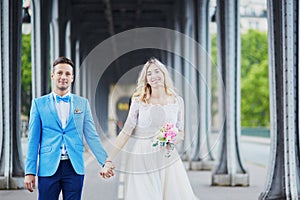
[{"x": 143, "y": 90}]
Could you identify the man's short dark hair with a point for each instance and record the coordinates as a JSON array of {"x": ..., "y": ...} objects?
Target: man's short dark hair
[{"x": 63, "y": 60}]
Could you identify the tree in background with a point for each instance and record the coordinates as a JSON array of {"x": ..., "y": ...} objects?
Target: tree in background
[
  {"x": 214, "y": 75},
  {"x": 255, "y": 109},
  {"x": 255, "y": 96},
  {"x": 26, "y": 75},
  {"x": 254, "y": 79}
]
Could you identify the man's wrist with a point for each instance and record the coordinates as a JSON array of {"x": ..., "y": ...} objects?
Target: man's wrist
[
  {"x": 30, "y": 175},
  {"x": 108, "y": 163}
]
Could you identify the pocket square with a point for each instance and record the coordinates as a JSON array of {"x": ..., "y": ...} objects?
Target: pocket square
[{"x": 77, "y": 111}]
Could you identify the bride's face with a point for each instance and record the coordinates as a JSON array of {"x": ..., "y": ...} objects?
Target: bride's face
[{"x": 155, "y": 77}]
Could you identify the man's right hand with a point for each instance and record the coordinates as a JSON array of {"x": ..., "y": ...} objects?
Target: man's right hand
[
  {"x": 107, "y": 170},
  {"x": 29, "y": 182}
]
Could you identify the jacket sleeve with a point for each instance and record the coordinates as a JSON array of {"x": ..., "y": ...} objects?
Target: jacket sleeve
[
  {"x": 91, "y": 136},
  {"x": 34, "y": 134}
]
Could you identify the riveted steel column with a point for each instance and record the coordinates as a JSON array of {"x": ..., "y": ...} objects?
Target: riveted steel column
[
  {"x": 190, "y": 79},
  {"x": 78, "y": 75},
  {"x": 283, "y": 174},
  {"x": 68, "y": 42},
  {"x": 11, "y": 158},
  {"x": 55, "y": 32},
  {"x": 178, "y": 61},
  {"x": 229, "y": 170},
  {"x": 40, "y": 50},
  {"x": 178, "y": 78},
  {"x": 203, "y": 159},
  {"x": 61, "y": 28}
]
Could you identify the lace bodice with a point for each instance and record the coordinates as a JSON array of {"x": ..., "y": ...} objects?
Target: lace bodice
[{"x": 148, "y": 118}]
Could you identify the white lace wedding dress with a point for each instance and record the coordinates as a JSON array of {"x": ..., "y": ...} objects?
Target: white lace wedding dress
[{"x": 150, "y": 175}]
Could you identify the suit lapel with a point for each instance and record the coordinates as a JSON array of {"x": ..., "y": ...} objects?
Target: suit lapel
[
  {"x": 71, "y": 109},
  {"x": 52, "y": 108}
]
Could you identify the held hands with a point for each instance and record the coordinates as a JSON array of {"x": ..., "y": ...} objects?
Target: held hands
[
  {"x": 29, "y": 182},
  {"x": 107, "y": 170}
]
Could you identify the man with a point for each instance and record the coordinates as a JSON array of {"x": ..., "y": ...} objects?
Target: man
[{"x": 58, "y": 122}]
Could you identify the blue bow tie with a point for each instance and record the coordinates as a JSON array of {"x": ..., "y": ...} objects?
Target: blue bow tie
[{"x": 65, "y": 99}]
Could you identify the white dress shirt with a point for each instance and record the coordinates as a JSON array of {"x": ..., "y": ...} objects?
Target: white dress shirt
[{"x": 63, "y": 111}]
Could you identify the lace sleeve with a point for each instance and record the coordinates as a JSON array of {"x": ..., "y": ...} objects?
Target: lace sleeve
[
  {"x": 180, "y": 117},
  {"x": 132, "y": 117}
]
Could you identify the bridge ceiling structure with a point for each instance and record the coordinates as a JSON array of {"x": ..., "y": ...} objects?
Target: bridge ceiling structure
[{"x": 93, "y": 21}]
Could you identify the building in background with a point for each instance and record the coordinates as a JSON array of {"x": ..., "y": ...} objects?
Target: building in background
[{"x": 253, "y": 15}]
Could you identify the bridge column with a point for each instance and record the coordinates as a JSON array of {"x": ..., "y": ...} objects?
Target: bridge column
[
  {"x": 11, "y": 158},
  {"x": 189, "y": 85},
  {"x": 179, "y": 80},
  {"x": 203, "y": 159},
  {"x": 40, "y": 50},
  {"x": 61, "y": 29},
  {"x": 78, "y": 78},
  {"x": 54, "y": 31},
  {"x": 229, "y": 170},
  {"x": 68, "y": 41},
  {"x": 283, "y": 174}
]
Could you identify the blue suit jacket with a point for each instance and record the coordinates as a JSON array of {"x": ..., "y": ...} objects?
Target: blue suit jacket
[{"x": 46, "y": 135}]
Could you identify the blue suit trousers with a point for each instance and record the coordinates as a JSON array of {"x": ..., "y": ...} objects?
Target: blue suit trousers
[{"x": 65, "y": 179}]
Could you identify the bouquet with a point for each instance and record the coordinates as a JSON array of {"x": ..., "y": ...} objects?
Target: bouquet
[{"x": 166, "y": 137}]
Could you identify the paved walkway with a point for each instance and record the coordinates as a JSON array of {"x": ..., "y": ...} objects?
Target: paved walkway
[{"x": 96, "y": 188}]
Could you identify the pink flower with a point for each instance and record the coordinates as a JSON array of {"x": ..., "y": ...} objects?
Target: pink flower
[
  {"x": 168, "y": 126},
  {"x": 166, "y": 136},
  {"x": 167, "y": 133}
]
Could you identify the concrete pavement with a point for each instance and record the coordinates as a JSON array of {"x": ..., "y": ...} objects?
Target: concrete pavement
[{"x": 96, "y": 188}]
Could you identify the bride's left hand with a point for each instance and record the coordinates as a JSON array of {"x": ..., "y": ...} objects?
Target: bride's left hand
[{"x": 108, "y": 170}]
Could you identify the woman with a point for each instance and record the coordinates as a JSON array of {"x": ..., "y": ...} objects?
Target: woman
[{"x": 153, "y": 172}]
